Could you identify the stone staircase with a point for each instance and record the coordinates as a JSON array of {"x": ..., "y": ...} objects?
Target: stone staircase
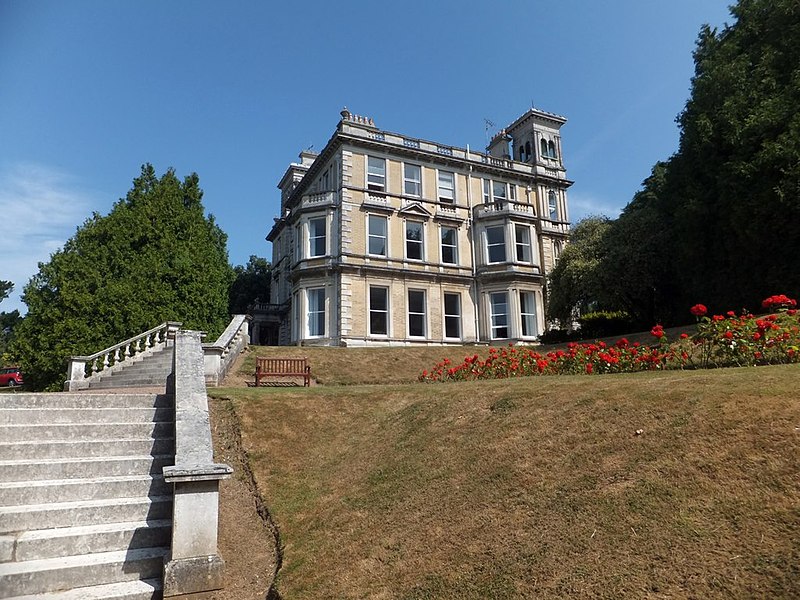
[
  {"x": 84, "y": 509},
  {"x": 150, "y": 371}
]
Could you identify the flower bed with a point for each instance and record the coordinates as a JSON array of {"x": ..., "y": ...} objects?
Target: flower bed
[{"x": 720, "y": 341}]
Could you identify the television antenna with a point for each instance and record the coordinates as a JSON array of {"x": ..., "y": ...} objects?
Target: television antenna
[{"x": 488, "y": 125}]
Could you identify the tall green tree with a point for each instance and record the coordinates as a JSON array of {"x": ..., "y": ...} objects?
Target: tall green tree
[
  {"x": 252, "y": 284},
  {"x": 574, "y": 285},
  {"x": 735, "y": 188},
  {"x": 155, "y": 257}
]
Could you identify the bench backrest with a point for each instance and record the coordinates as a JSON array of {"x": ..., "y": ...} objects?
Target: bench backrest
[{"x": 281, "y": 365}]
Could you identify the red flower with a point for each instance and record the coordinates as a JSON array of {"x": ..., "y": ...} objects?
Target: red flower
[
  {"x": 698, "y": 310},
  {"x": 729, "y": 335},
  {"x": 657, "y": 331},
  {"x": 684, "y": 336},
  {"x": 589, "y": 368}
]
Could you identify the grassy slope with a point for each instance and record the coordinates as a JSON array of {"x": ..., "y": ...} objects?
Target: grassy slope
[{"x": 532, "y": 487}]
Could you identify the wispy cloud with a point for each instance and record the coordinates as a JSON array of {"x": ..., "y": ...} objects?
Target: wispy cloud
[
  {"x": 40, "y": 208},
  {"x": 585, "y": 205}
]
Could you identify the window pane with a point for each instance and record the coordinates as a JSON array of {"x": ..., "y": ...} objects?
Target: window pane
[
  {"x": 377, "y": 235},
  {"x": 378, "y": 310},
  {"x": 316, "y": 312},
  {"x": 317, "y": 236},
  {"x": 452, "y": 315},
  {"x": 452, "y": 304},
  {"x": 416, "y": 313},
  {"x": 499, "y": 307},
  {"x": 414, "y": 240},
  {"x": 552, "y": 206},
  {"x": 447, "y": 186},
  {"x": 449, "y": 251},
  {"x": 496, "y": 242},
  {"x": 527, "y": 302},
  {"x": 412, "y": 180},
  {"x": 416, "y": 301},
  {"x": 376, "y": 173},
  {"x": 523, "y": 243},
  {"x": 499, "y": 190},
  {"x": 378, "y": 298}
]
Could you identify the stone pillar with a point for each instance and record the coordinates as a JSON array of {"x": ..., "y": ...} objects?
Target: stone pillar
[{"x": 194, "y": 565}]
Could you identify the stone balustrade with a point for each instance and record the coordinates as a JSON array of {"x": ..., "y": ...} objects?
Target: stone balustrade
[
  {"x": 220, "y": 355},
  {"x": 82, "y": 369},
  {"x": 498, "y": 208}
]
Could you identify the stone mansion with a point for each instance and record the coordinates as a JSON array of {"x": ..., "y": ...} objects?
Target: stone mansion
[{"x": 384, "y": 239}]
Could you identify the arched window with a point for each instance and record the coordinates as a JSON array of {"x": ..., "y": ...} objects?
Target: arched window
[
  {"x": 544, "y": 147},
  {"x": 528, "y": 150},
  {"x": 551, "y": 147},
  {"x": 552, "y": 205},
  {"x": 522, "y": 154}
]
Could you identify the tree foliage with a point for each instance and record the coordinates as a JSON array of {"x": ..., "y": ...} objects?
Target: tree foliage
[
  {"x": 6, "y": 288},
  {"x": 574, "y": 282},
  {"x": 719, "y": 221},
  {"x": 252, "y": 284},
  {"x": 155, "y": 257}
]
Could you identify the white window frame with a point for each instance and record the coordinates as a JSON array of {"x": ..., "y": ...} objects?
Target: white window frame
[
  {"x": 416, "y": 184},
  {"x": 420, "y": 242},
  {"x": 446, "y": 194},
  {"x": 491, "y": 186},
  {"x": 312, "y": 238},
  {"x": 494, "y": 318},
  {"x": 531, "y": 317},
  {"x": 453, "y": 246},
  {"x": 423, "y": 314},
  {"x": 372, "y": 310},
  {"x": 378, "y": 182},
  {"x": 371, "y": 235},
  {"x": 451, "y": 316},
  {"x": 312, "y": 310},
  {"x": 524, "y": 245},
  {"x": 552, "y": 205},
  {"x": 502, "y": 245}
]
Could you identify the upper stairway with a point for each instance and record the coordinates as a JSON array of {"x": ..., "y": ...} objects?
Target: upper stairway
[
  {"x": 150, "y": 370},
  {"x": 84, "y": 508}
]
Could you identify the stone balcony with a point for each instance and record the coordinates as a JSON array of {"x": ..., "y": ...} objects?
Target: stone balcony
[
  {"x": 501, "y": 209},
  {"x": 318, "y": 200}
]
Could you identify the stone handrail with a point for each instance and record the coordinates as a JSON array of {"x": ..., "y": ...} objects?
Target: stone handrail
[
  {"x": 82, "y": 369},
  {"x": 193, "y": 565},
  {"x": 220, "y": 356}
]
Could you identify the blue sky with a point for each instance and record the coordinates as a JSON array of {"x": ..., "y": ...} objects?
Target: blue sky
[{"x": 91, "y": 90}]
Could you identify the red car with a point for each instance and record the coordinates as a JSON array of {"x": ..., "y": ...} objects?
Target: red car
[{"x": 10, "y": 376}]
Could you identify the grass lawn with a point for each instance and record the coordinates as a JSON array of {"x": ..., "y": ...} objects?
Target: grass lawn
[{"x": 527, "y": 488}]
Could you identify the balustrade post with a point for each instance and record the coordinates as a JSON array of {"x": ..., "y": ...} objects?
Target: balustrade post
[{"x": 77, "y": 373}]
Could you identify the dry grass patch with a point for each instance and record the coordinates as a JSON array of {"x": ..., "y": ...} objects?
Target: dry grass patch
[{"x": 534, "y": 488}]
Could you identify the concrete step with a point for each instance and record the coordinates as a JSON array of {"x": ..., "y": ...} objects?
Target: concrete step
[
  {"x": 149, "y": 589},
  {"x": 85, "y": 400},
  {"x": 70, "y": 541},
  {"x": 18, "y": 493},
  {"x": 61, "y": 416},
  {"x": 113, "y": 382},
  {"x": 86, "y": 431},
  {"x": 74, "y": 514},
  {"x": 54, "y": 574},
  {"x": 84, "y": 449},
  {"x": 69, "y": 468}
]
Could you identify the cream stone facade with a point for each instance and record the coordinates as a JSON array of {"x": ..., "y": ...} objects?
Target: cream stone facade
[{"x": 385, "y": 239}]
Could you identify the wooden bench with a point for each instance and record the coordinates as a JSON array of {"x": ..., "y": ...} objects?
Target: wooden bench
[{"x": 282, "y": 367}]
